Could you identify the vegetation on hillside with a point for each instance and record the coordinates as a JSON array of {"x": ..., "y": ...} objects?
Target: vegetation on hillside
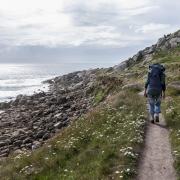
[{"x": 102, "y": 145}]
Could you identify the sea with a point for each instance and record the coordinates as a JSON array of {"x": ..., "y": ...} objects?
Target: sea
[{"x": 27, "y": 79}]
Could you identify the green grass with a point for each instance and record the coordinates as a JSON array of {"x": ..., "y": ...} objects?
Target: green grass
[
  {"x": 173, "y": 92},
  {"x": 104, "y": 86},
  {"x": 104, "y": 144},
  {"x": 168, "y": 56},
  {"x": 172, "y": 116},
  {"x": 100, "y": 95}
]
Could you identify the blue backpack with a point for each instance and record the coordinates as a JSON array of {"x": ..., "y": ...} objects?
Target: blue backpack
[{"x": 155, "y": 77}]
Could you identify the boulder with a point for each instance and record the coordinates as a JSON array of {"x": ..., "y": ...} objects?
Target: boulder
[
  {"x": 36, "y": 144},
  {"x": 174, "y": 42},
  {"x": 3, "y": 144},
  {"x": 61, "y": 100},
  {"x": 121, "y": 66},
  {"x": 46, "y": 136},
  {"x": 17, "y": 143},
  {"x": 58, "y": 125},
  {"x": 27, "y": 140},
  {"x": 5, "y": 151},
  {"x": 17, "y": 133},
  {"x": 59, "y": 115},
  {"x": 17, "y": 152},
  {"x": 40, "y": 134},
  {"x": 137, "y": 57},
  {"x": 161, "y": 42}
]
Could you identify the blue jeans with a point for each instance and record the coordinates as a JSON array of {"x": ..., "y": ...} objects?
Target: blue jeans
[{"x": 154, "y": 105}]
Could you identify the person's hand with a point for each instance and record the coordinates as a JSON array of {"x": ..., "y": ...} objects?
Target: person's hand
[
  {"x": 163, "y": 95},
  {"x": 145, "y": 94}
]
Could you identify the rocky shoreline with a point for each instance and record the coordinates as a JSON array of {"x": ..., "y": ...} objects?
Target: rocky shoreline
[{"x": 28, "y": 121}]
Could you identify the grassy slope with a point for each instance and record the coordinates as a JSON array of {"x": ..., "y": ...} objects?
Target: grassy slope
[{"x": 104, "y": 144}]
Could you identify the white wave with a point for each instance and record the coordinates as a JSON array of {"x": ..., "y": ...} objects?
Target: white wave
[
  {"x": 9, "y": 95},
  {"x": 21, "y": 82}
]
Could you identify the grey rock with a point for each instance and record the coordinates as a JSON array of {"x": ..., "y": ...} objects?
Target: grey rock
[
  {"x": 121, "y": 66},
  {"x": 46, "y": 136},
  {"x": 174, "y": 42},
  {"x": 17, "y": 151},
  {"x": 137, "y": 57},
  {"x": 36, "y": 144},
  {"x": 3, "y": 155},
  {"x": 18, "y": 143},
  {"x": 58, "y": 125},
  {"x": 65, "y": 117},
  {"x": 18, "y": 133},
  {"x": 27, "y": 140},
  {"x": 5, "y": 151},
  {"x": 59, "y": 115},
  {"x": 4, "y": 137},
  {"x": 61, "y": 100},
  {"x": 66, "y": 106},
  {"x": 73, "y": 108},
  {"x": 40, "y": 134},
  {"x": 3, "y": 144},
  {"x": 161, "y": 42},
  {"x": 29, "y": 145}
]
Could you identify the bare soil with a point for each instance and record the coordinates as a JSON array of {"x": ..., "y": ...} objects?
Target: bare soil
[{"x": 157, "y": 160}]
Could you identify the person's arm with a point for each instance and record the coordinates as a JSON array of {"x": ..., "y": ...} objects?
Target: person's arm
[
  {"x": 146, "y": 85},
  {"x": 163, "y": 84}
]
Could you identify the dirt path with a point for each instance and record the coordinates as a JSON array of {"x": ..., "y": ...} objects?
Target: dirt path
[{"x": 157, "y": 160}]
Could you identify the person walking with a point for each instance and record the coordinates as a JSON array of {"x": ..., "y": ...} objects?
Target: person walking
[{"x": 155, "y": 88}]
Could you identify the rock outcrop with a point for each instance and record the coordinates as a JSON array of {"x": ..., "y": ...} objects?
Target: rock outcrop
[{"x": 167, "y": 42}]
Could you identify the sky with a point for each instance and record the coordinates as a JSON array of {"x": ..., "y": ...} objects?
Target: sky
[{"x": 82, "y": 31}]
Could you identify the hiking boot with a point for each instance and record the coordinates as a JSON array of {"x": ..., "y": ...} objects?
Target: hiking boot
[
  {"x": 152, "y": 121},
  {"x": 152, "y": 118},
  {"x": 156, "y": 117}
]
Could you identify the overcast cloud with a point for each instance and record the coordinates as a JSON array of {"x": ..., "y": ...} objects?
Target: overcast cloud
[{"x": 82, "y": 30}]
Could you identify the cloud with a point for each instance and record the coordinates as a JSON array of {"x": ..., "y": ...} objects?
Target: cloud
[
  {"x": 149, "y": 28},
  {"x": 48, "y": 23},
  {"x": 81, "y": 23}
]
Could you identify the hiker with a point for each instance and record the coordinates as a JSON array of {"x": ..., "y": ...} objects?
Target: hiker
[{"x": 155, "y": 89}]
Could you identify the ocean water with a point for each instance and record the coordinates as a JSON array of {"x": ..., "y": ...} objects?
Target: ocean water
[{"x": 27, "y": 79}]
